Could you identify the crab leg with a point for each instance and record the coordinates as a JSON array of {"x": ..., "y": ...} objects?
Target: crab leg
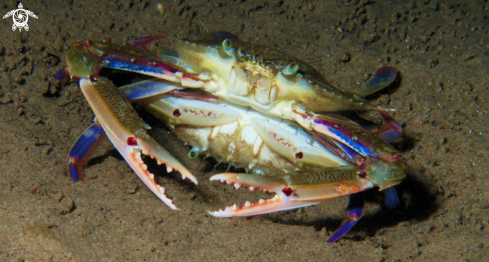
[
  {"x": 300, "y": 189},
  {"x": 147, "y": 88},
  {"x": 127, "y": 132},
  {"x": 391, "y": 198},
  {"x": 383, "y": 78},
  {"x": 134, "y": 59},
  {"x": 350, "y": 134},
  {"x": 355, "y": 210},
  {"x": 82, "y": 149},
  {"x": 143, "y": 41},
  {"x": 393, "y": 132}
]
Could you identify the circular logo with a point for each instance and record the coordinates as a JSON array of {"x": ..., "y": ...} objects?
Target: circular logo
[{"x": 20, "y": 17}]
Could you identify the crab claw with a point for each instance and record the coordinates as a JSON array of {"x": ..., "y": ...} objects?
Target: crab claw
[
  {"x": 283, "y": 200},
  {"x": 148, "y": 146},
  {"x": 299, "y": 189},
  {"x": 151, "y": 148},
  {"x": 127, "y": 132}
]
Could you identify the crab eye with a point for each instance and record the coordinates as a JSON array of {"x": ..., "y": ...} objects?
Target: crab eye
[
  {"x": 291, "y": 69},
  {"x": 227, "y": 45}
]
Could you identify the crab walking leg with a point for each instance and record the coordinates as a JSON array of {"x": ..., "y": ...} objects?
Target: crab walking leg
[
  {"x": 393, "y": 132},
  {"x": 362, "y": 141},
  {"x": 127, "y": 132},
  {"x": 84, "y": 146},
  {"x": 391, "y": 198},
  {"x": 134, "y": 59},
  {"x": 142, "y": 42},
  {"x": 300, "y": 189},
  {"x": 147, "y": 88},
  {"x": 355, "y": 210},
  {"x": 338, "y": 130}
]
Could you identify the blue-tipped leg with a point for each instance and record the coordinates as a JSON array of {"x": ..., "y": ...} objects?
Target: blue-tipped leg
[
  {"x": 147, "y": 88},
  {"x": 143, "y": 67},
  {"x": 82, "y": 149},
  {"x": 62, "y": 76},
  {"x": 393, "y": 132},
  {"x": 391, "y": 198},
  {"x": 339, "y": 133},
  {"x": 355, "y": 210}
]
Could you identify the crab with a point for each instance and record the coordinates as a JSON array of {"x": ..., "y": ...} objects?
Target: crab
[{"x": 250, "y": 106}]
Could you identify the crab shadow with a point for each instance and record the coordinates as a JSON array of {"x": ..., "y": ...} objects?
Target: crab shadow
[{"x": 417, "y": 203}]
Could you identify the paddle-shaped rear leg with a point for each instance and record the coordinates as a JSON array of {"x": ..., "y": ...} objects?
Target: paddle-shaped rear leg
[
  {"x": 83, "y": 148},
  {"x": 355, "y": 210},
  {"x": 382, "y": 79}
]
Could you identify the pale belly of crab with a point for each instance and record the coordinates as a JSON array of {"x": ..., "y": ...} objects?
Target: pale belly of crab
[{"x": 248, "y": 139}]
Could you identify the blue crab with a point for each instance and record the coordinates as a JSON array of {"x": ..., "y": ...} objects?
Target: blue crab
[{"x": 252, "y": 107}]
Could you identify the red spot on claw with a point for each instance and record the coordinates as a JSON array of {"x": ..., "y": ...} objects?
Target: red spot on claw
[
  {"x": 93, "y": 78},
  {"x": 362, "y": 175},
  {"x": 177, "y": 113},
  {"x": 132, "y": 141},
  {"x": 299, "y": 155},
  {"x": 287, "y": 191},
  {"x": 395, "y": 156}
]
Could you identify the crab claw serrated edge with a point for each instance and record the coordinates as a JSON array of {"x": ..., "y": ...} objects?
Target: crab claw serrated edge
[
  {"x": 132, "y": 155},
  {"x": 280, "y": 202}
]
